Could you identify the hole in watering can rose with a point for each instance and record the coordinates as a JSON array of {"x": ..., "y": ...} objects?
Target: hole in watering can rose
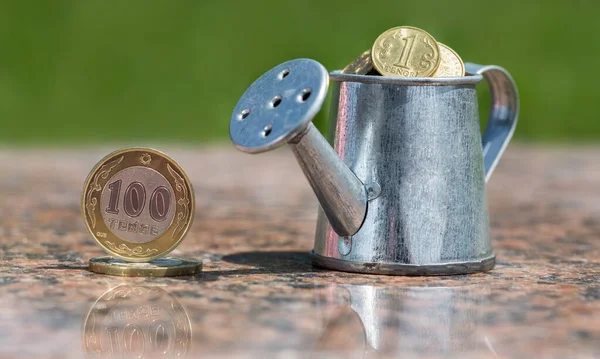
[
  {"x": 267, "y": 130},
  {"x": 283, "y": 74},
  {"x": 304, "y": 95},
  {"x": 244, "y": 114},
  {"x": 275, "y": 101}
]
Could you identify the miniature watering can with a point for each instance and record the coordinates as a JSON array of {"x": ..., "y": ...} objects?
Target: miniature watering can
[{"x": 402, "y": 186}]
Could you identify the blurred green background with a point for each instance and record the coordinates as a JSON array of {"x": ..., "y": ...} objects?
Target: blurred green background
[{"x": 79, "y": 72}]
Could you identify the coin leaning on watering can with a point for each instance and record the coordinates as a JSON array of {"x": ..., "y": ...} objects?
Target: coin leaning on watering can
[
  {"x": 138, "y": 204},
  {"x": 403, "y": 191},
  {"x": 407, "y": 51}
]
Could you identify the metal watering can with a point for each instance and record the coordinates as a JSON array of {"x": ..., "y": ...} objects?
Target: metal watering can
[{"x": 402, "y": 186}]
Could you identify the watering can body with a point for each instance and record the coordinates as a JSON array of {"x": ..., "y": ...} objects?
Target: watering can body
[{"x": 417, "y": 148}]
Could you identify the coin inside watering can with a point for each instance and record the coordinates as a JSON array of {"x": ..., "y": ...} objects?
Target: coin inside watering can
[
  {"x": 397, "y": 53},
  {"x": 278, "y": 105}
]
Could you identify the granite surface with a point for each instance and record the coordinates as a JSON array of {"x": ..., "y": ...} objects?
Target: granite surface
[{"x": 259, "y": 296}]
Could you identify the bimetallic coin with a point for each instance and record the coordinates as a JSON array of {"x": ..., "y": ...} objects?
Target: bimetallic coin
[
  {"x": 138, "y": 204},
  {"x": 405, "y": 51},
  {"x": 362, "y": 65},
  {"x": 136, "y": 322},
  {"x": 162, "y": 267},
  {"x": 451, "y": 65}
]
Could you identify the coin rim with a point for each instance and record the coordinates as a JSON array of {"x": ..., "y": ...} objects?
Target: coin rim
[
  {"x": 440, "y": 44},
  {"x": 375, "y": 65},
  {"x": 192, "y": 205},
  {"x": 365, "y": 55},
  {"x": 101, "y": 265}
]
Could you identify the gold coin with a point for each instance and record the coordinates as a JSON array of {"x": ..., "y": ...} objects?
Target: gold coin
[
  {"x": 405, "y": 51},
  {"x": 451, "y": 65},
  {"x": 362, "y": 65},
  {"x": 161, "y": 267},
  {"x": 131, "y": 321},
  {"x": 138, "y": 204}
]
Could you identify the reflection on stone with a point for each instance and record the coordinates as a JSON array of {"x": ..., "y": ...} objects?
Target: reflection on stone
[
  {"x": 343, "y": 332},
  {"x": 136, "y": 322},
  {"x": 403, "y": 321}
]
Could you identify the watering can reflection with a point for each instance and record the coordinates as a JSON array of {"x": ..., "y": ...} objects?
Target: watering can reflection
[{"x": 400, "y": 322}]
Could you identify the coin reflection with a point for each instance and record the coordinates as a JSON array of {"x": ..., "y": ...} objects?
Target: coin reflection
[{"x": 136, "y": 322}]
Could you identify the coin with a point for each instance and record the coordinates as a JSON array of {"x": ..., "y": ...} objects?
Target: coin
[
  {"x": 405, "y": 51},
  {"x": 451, "y": 65},
  {"x": 362, "y": 65},
  {"x": 161, "y": 267},
  {"x": 131, "y": 321},
  {"x": 138, "y": 204}
]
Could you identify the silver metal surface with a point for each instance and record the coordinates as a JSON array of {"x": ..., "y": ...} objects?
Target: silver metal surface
[
  {"x": 504, "y": 112},
  {"x": 278, "y": 106},
  {"x": 343, "y": 197},
  {"x": 453, "y": 268},
  {"x": 472, "y": 79},
  {"x": 419, "y": 140},
  {"x": 403, "y": 191},
  {"x": 119, "y": 222}
]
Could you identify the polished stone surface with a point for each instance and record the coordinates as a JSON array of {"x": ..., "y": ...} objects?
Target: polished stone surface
[{"x": 259, "y": 295}]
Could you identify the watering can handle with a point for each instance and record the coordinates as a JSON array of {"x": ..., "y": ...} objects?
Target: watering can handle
[{"x": 503, "y": 113}]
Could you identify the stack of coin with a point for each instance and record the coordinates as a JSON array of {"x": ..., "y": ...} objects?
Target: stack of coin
[
  {"x": 138, "y": 204},
  {"x": 407, "y": 51}
]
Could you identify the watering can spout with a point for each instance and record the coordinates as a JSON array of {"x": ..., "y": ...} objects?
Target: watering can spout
[
  {"x": 341, "y": 194},
  {"x": 278, "y": 108}
]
